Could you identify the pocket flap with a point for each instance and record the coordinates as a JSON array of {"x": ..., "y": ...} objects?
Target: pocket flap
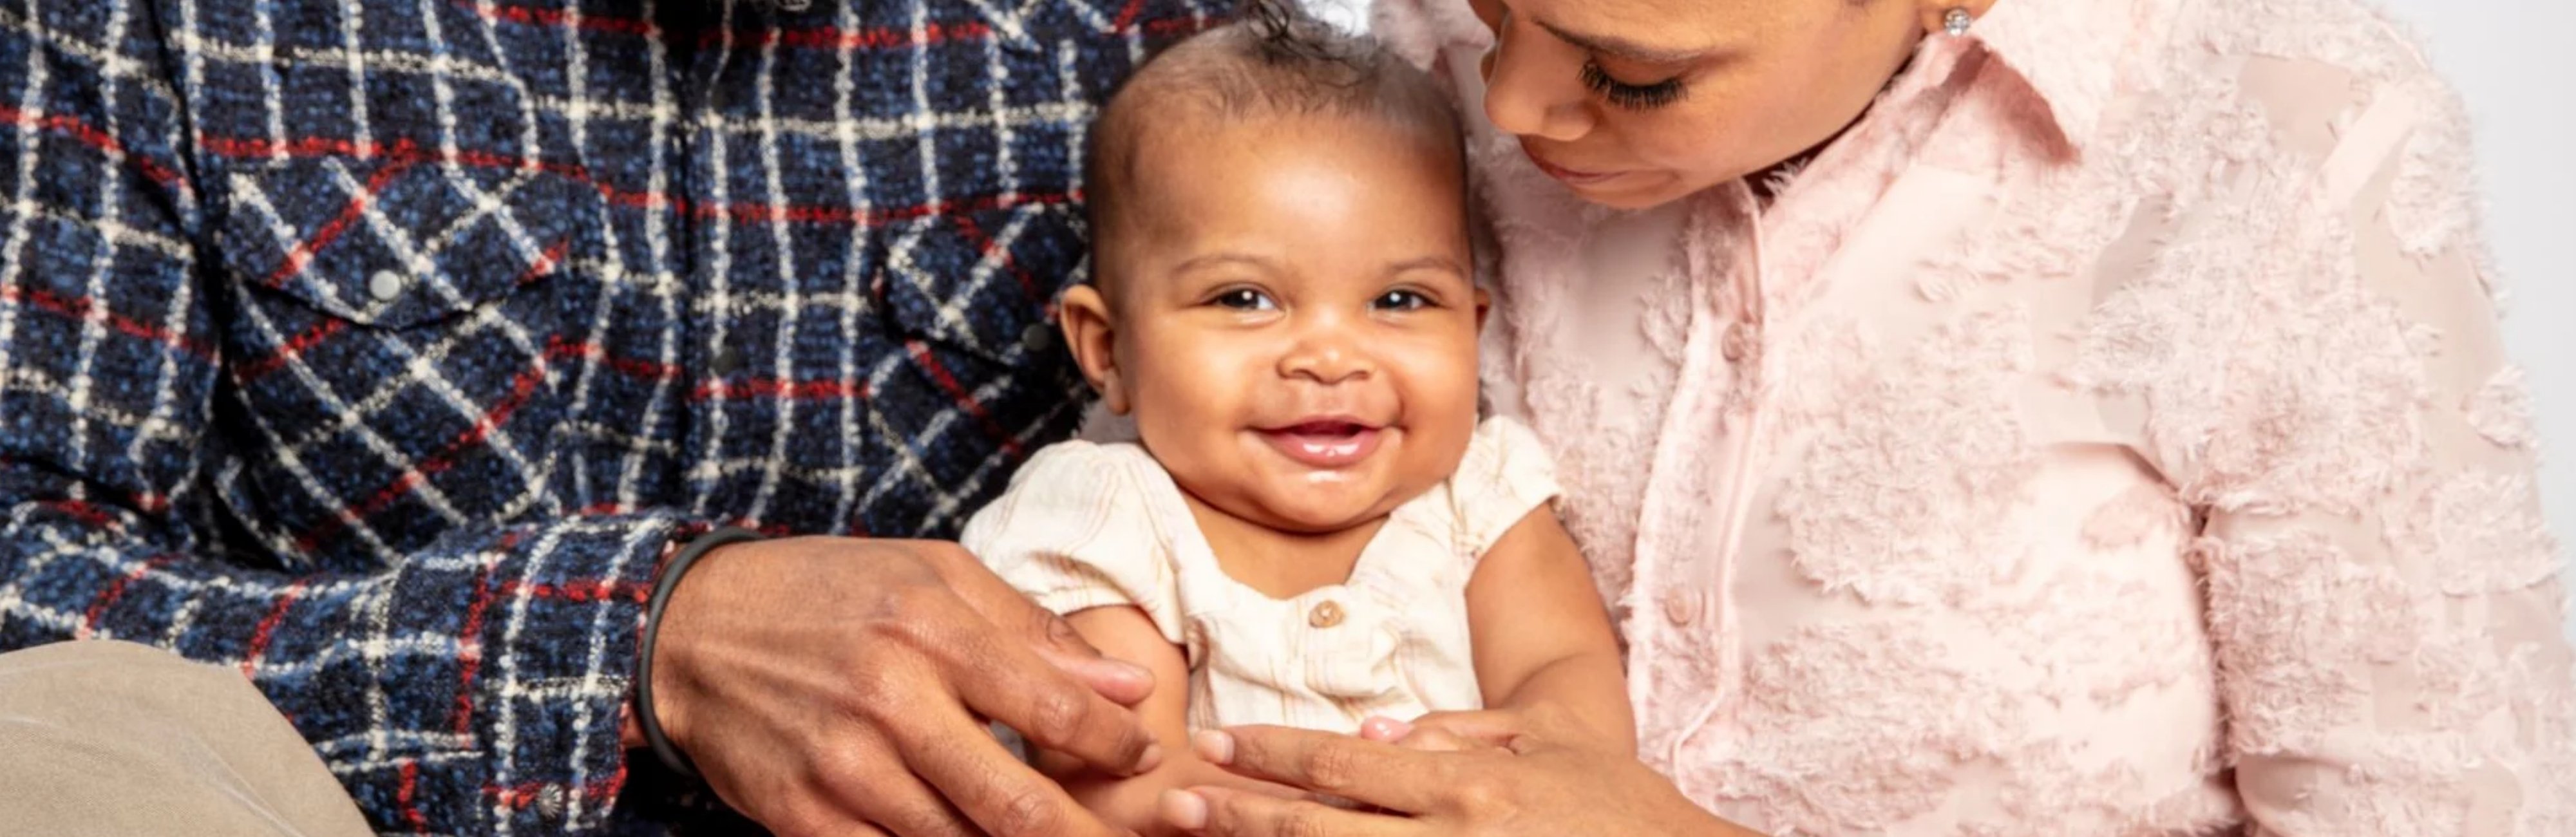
[
  {"x": 395, "y": 241},
  {"x": 984, "y": 281}
]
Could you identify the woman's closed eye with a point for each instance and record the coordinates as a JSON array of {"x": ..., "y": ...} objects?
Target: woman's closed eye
[{"x": 1632, "y": 96}]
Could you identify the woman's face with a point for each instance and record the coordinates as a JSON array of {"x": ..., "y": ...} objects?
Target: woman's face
[{"x": 1635, "y": 103}]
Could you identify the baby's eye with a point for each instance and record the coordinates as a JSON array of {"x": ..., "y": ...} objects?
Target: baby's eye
[
  {"x": 1401, "y": 300},
  {"x": 1246, "y": 299}
]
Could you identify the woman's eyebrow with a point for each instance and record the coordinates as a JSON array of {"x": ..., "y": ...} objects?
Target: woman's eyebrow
[{"x": 1624, "y": 49}]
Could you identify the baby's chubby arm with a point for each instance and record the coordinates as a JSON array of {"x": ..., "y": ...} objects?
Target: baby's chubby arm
[
  {"x": 1541, "y": 636},
  {"x": 1126, "y": 633}
]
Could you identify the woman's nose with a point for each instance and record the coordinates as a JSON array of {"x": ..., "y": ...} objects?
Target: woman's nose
[{"x": 1527, "y": 95}]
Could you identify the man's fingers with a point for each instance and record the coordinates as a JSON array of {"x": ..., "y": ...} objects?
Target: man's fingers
[
  {"x": 1048, "y": 634},
  {"x": 895, "y": 802},
  {"x": 834, "y": 824},
  {"x": 1010, "y": 685},
  {"x": 1368, "y": 772},
  {"x": 1122, "y": 682},
  {"x": 1231, "y": 813},
  {"x": 980, "y": 778}
]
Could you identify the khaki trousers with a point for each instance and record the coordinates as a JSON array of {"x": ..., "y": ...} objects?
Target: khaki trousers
[{"x": 112, "y": 738}]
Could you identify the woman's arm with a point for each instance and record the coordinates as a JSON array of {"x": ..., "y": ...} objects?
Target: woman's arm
[
  {"x": 1125, "y": 633},
  {"x": 2383, "y": 599},
  {"x": 1540, "y": 634}
]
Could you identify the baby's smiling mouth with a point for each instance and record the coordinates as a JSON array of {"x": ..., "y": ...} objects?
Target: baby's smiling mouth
[{"x": 1324, "y": 442}]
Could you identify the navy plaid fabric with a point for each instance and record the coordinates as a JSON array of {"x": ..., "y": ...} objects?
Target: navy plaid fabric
[{"x": 378, "y": 348}]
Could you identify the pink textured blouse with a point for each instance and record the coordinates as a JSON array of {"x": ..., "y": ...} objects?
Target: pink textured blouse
[{"x": 2108, "y": 435}]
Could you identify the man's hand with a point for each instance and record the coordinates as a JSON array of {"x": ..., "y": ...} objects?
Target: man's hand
[{"x": 834, "y": 686}]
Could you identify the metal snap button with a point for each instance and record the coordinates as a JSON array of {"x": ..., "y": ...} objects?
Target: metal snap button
[
  {"x": 385, "y": 285},
  {"x": 725, "y": 362},
  {"x": 1325, "y": 615}
]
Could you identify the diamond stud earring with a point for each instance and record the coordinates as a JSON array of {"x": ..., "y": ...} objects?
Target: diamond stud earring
[{"x": 1956, "y": 21}]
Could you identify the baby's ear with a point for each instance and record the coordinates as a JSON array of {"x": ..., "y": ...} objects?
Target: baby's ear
[
  {"x": 1093, "y": 336},
  {"x": 1484, "y": 306}
]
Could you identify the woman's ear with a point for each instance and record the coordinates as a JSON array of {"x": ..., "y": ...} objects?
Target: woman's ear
[{"x": 1093, "y": 336}]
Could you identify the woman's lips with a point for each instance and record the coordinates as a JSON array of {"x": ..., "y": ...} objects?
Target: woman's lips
[
  {"x": 1571, "y": 177},
  {"x": 1324, "y": 444}
]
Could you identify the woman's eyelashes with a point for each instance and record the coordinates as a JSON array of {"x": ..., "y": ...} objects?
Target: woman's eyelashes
[{"x": 1631, "y": 96}]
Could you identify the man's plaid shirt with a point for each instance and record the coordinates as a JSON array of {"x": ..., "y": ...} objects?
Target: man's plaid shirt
[{"x": 377, "y": 348}]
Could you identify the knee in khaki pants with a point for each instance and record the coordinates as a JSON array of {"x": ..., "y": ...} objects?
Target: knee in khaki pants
[{"x": 114, "y": 738}]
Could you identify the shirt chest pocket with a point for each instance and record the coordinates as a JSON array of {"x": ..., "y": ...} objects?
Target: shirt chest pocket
[
  {"x": 393, "y": 332},
  {"x": 982, "y": 283},
  {"x": 393, "y": 244}
]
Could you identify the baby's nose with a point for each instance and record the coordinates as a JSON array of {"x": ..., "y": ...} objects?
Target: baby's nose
[{"x": 1327, "y": 359}]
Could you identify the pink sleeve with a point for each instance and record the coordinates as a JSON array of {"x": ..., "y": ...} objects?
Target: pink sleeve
[{"x": 2383, "y": 596}]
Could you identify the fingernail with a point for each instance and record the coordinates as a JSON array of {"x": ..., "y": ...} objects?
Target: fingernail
[
  {"x": 1130, "y": 670},
  {"x": 1382, "y": 728},
  {"x": 1116, "y": 669},
  {"x": 1122, "y": 682},
  {"x": 1213, "y": 745},
  {"x": 1184, "y": 810},
  {"x": 1150, "y": 759}
]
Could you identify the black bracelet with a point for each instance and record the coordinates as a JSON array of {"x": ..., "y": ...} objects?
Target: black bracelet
[{"x": 697, "y": 548}]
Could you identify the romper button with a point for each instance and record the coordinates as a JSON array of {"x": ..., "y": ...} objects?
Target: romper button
[
  {"x": 1737, "y": 343},
  {"x": 1681, "y": 607},
  {"x": 1037, "y": 338},
  {"x": 1325, "y": 615},
  {"x": 385, "y": 285}
]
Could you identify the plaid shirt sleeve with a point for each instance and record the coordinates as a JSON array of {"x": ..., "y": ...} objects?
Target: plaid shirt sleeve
[{"x": 473, "y": 687}]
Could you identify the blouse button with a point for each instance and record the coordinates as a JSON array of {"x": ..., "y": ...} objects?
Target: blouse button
[
  {"x": 1680, "y": 607},
  {"x": 1738, "y": 342},
  {"x": 1325, "y": 615}
]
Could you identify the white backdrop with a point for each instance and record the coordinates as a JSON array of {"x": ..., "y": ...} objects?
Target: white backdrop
[{"x": 2514, "y": 63}]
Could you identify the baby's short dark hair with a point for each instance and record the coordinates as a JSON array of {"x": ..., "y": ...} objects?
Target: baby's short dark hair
[{"x": 1273, "y": 60}]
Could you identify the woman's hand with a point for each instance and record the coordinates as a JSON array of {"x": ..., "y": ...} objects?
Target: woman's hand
[
  {"x": 1490, "y": 774},
  {"x": 1482, "y": 729},
  {"x": 838, "y": 686}
]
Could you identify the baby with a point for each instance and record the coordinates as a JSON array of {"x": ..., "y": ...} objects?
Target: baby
[{"x": 1314, "y": 529}]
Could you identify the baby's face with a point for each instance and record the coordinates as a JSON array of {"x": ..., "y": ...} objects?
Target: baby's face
[{"x": 1293, "y": 318}]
